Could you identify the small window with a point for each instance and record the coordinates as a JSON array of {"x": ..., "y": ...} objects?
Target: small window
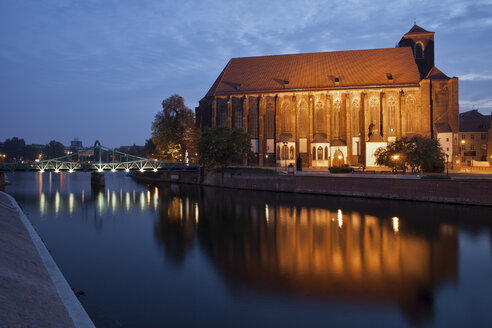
[
  {"x": 291, "y": 152},
  {"x": 484, "y": 136},
  {"x": 447, "y": 148},
  {"x": 463, "y": 147},
  {"x": 484, "y": 146},
  {"x": 472, "y": 147},
  {"x": 472, "y": 136},
  {"x": 462, "y": 159},
  {"x": 463, "y": 137},
  {"x": 447, "y": 139},
  {"x": 320, "y": 153}
]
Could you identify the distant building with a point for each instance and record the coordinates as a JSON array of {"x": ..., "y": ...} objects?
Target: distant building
[
  {"x": 475, "y": 138},
  {"x": 76, "y": 144},
  {"x": 333, "y": 108}
]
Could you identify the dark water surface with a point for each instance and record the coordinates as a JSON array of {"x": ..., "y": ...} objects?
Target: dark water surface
[{"x": 181, "y": 256}]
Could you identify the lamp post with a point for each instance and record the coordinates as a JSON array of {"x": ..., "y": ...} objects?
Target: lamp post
[
  {"x": 447, "y": 164},
  {"x": 395, "y": 159}
]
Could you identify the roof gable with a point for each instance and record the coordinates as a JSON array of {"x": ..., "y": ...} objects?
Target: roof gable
[
  {"x": 417, "y": 30},
  {"x": 436, "y": 74},
  {"x": 473, "y": 121},
  {"x": 354, "y": 68}
]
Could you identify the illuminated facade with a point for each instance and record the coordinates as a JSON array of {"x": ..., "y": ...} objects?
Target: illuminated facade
[{"x": 333, "y": 108}]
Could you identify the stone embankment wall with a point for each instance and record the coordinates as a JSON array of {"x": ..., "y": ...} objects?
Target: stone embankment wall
[{"x": 460, "y": 191}]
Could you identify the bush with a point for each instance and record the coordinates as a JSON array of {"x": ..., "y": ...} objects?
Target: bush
[{"x": 345, "y": 168}]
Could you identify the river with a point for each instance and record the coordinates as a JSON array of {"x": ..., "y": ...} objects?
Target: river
[{"x": 182, "y": 256}]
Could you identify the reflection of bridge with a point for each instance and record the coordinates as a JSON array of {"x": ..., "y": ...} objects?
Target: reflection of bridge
[{"x": 98, "y": 159}]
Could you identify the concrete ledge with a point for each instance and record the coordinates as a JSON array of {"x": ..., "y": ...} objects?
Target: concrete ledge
[
  {"x": 72, "y": 305},
  {"x": 456, "y": 191}
]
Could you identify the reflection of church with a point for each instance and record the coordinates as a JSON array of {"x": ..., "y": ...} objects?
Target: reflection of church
[
  {"x": 334, "y": 107},
  {"x": 315, "y": 252}
]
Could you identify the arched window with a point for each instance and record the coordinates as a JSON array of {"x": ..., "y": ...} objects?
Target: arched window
[
  {"x": 320, "y": 117},
  {"x": 269, "y": 121},
  {"x": 320, "y": 153},
  {"x": 326, "y": 152},
  {"x": 291, "y": 152},
  {"x": 355, "y": 116},
  {"x": 314, "y": 153},
  {"x": 419, "y": 50},
  {"x": 222, "y": 112},
  {"x": 391, "y": 114},
  {"x": 253, "y": 117},
  {"x": 238, "y": 117},
  {"x": 410, "y": 108},
  {"x": 303, "y": 120},
  {"x": 374, "y": 110},
  {"x": 286, "y": 117},
  {"x": 336, "y": 120}
]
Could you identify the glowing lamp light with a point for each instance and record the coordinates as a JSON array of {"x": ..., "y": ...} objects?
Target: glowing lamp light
[
  {"x": 395, "y": 157},
  {"x": 141, "y": 170},
  {"x": 340, "y": 218},
  {"x": 99, "y": 170},
  {"x": 339, "y": 156},
  {"x": 57, "y": 171},
  {"x": 41, "y": 171},
  {"x": 155, "y": 170},
  {"x": 70, "y": 171},
  {"x": 127, "y": 170},
  {"x": 462, "y": 141},
  {"x": 396, "y": 224},
  {"x": 113, "y": 170}
]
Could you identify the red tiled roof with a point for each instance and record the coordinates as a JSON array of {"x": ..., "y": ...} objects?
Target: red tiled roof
[
  {"x": 417, "y": 30},
  {"x": 436, "y": 74},
  {"x": 354, "y": 68}
]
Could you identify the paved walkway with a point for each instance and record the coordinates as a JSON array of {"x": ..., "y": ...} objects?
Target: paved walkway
[{"x": 33, "y": 292}]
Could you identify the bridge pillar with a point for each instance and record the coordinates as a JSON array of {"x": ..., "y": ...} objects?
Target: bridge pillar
[
  {"x": 2, "y": 181},
  {"x": 97, "y": 179}
]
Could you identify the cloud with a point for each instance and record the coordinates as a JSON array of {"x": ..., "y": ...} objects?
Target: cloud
[
  {"x": 475, "y": 77},
  {"x": 483, "y": 105}
]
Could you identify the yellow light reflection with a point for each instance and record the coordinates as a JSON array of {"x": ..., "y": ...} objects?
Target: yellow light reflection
[
  {"x": 340, "y": 219},
  {"x": 83, "y": 197},
  {"x": 113, "y": 201},
  {"x": 70, "y": 203},
  {"x": 396, "y": 224},
  {"x": 266, "y": 213},
  {"x": 196, "y": 212},
  {"x": 148, "y": 198},
  {"x": 42, "y": 204},
  {"x": 57, "y": 203},
  {"x": 127, "y": 201},
  {"x": 142, "y": 201}
]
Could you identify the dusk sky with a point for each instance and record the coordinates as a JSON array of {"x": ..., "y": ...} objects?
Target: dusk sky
[{"x": 99, "y": 69}]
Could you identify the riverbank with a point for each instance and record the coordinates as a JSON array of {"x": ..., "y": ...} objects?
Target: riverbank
[
  {"x": 33, "y": 291},
  {"x": 470, "y": 191}
]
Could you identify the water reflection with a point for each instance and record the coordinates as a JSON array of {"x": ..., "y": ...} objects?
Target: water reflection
[
  {"x": 330, "y": 252},
  {"x": 348, "y": 252}
]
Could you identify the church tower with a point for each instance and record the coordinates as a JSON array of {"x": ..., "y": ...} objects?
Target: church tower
[{"x": 422, "y": 44}]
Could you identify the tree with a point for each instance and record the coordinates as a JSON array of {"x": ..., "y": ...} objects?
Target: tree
[
  {"x": 220, "y": 146},
  {"x": 149, "y": 148},
  {"x": 173, "y": 131},
  {"x": 54, "y": 149},
  {"x": 419, "y": 153},
  {"x": 14, "y": 149}
]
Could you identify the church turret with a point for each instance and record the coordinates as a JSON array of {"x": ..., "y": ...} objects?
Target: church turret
[{"x": 422, "y": 44}]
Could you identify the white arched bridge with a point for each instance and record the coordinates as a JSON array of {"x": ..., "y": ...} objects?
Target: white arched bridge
[{"x": 97, "y": 159}]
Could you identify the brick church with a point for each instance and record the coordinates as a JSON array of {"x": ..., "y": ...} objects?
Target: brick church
[{"x": 333, "y": 108}]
